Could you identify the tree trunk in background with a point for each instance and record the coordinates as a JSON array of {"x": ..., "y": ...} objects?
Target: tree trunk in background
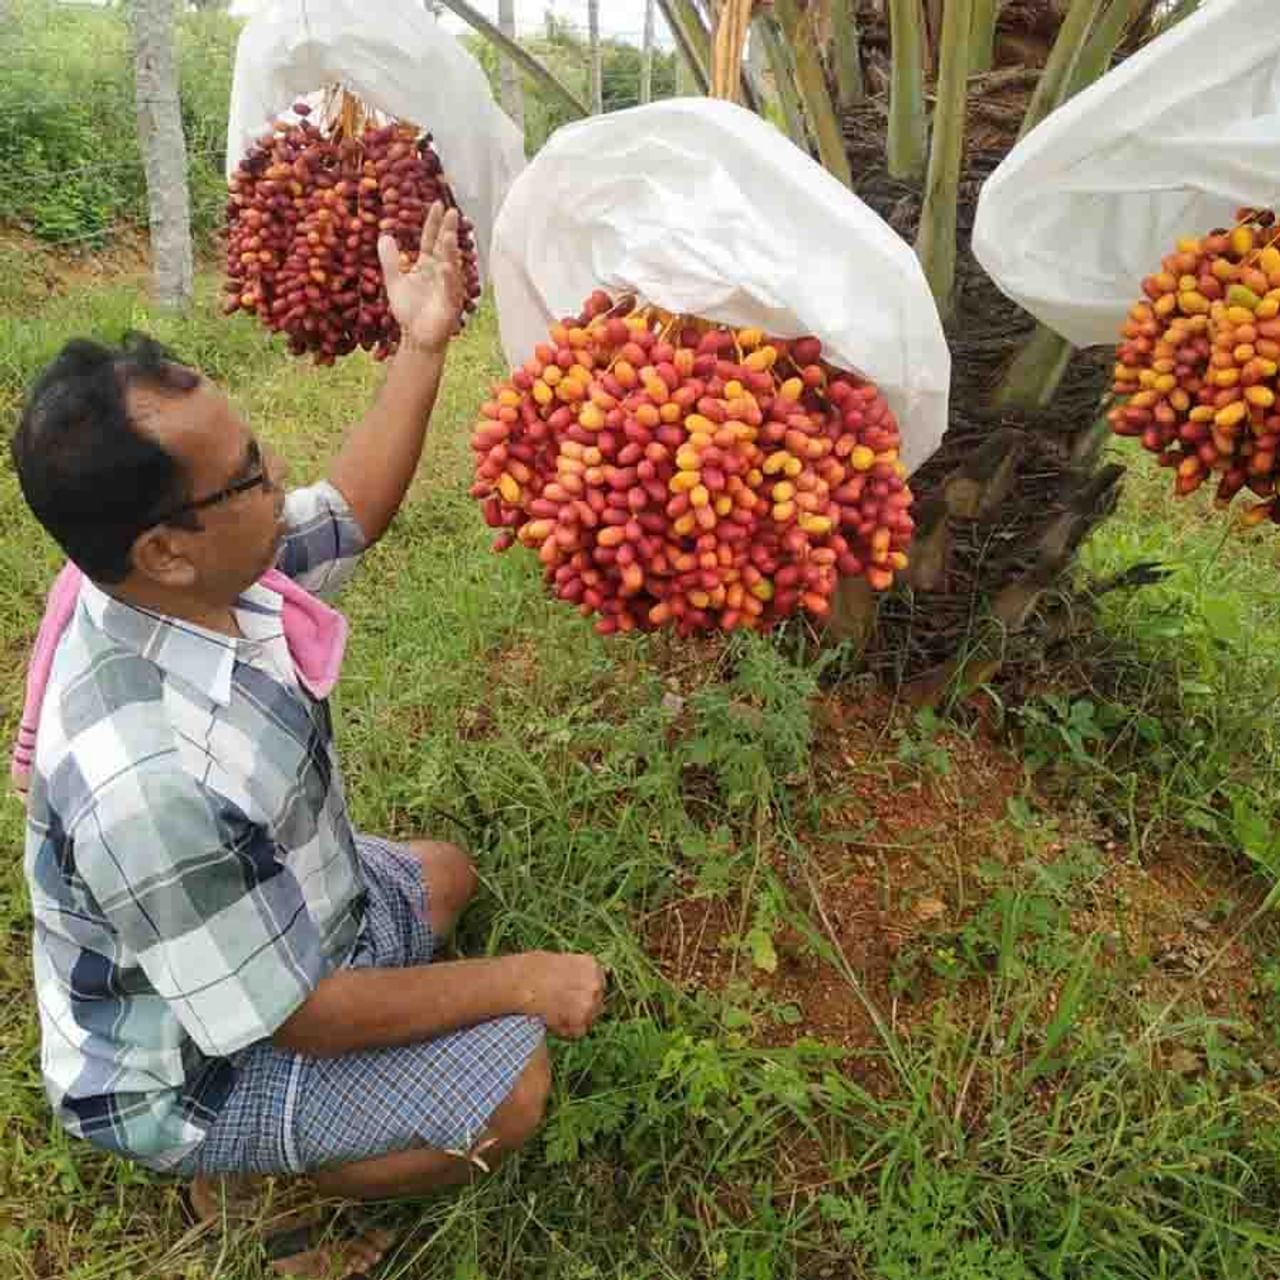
[
  {"x": 593, "y": 35},
  {"x": 164, "y": 149},
  {"x": 646, "y": 59},
  {"x": 508, "y": 72}
]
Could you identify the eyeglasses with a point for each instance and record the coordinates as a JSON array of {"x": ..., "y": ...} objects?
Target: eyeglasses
[{"x": 258, "y": 479}]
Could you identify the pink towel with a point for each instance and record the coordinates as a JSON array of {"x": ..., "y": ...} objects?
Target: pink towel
[{"x": 315, "y": 633}]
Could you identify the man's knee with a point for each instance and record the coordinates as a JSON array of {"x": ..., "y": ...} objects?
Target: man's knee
[
  {"x": 450, "y": 877},
  {"x": 521, "y": 1114}
]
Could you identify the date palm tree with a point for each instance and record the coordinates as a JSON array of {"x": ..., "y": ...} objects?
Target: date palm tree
[{"x": 914, "y": 103}]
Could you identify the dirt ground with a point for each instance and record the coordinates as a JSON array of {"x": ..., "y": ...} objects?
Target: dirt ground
[{"x": 906, "y": 856}]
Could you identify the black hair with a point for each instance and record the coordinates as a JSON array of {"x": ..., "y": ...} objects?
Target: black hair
[{"x": 92, "y": 479}]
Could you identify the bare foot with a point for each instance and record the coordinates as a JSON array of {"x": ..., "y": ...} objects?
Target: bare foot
[{"x": 337, "y": 1261}]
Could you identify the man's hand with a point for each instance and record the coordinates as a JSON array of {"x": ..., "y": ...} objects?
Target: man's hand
[
  {"x": 427, "y": 299},
  {"x": 565, "y": 991}
]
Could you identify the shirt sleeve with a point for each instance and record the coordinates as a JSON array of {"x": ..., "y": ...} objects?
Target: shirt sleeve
[
  {"x": 324, "y": 542},
  {"x": 215, "y": 919}
]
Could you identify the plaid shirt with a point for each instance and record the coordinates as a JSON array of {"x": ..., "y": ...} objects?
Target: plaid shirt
[{"x": 191, "y": 864}]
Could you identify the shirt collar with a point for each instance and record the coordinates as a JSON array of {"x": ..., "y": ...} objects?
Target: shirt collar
[
  {"x": 202, "y": 658},
  {"x": 260, "y": 600}
]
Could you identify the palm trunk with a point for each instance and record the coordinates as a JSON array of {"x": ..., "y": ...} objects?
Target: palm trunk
[
  {"x": 164, "y": 150},
  {"x": 1004, "y": 503}
]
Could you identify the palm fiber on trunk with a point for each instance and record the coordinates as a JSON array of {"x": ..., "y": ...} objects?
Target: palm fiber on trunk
[{"x": 1045, "y": 493}]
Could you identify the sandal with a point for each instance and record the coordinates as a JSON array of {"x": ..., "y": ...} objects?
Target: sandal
[
  {"x": 308, "y": 1249},
  {"x": 287, "y": 1246}
]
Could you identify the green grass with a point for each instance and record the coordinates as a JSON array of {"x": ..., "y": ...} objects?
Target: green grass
[
  {"x": 1016, "y": 1116},
  {"x": 1171, "y": 715},
  {"x": 70, "y": 168}
]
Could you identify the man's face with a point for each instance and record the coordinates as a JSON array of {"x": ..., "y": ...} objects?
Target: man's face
[{"x": 238, "y": 536}]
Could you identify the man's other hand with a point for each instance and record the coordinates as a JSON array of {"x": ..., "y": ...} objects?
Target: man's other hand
[{"x": 565, "y": 991}]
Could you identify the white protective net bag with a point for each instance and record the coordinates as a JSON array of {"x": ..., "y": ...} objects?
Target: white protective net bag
[
  {"x": 702, "y": 208},
  {"x": 1168, "y": 144},
  {"x": 395, "y": 57}
]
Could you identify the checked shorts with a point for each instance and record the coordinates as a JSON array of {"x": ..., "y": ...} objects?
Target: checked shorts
[{"x": 288, "y": 1113}]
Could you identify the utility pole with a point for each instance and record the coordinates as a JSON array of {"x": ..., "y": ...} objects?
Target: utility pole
[
  {"x": 164, "y": 150},
  {"x": 593, "y": 36},
  {"x": 508, "y": 72},
  {"x": 646, "y": 56}
]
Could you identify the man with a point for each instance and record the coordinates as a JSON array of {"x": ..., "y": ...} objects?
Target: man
[{"x": 230, "y": 980}]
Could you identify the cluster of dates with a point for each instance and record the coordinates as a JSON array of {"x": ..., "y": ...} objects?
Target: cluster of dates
[
  {"x": 1197, "y": 372},
  {"x": 304, "y": 212},
  {"x": 668, "y": 471}
]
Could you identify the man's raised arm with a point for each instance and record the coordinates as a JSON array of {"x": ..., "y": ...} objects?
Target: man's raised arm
[{"x": 377, "y": 461}]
